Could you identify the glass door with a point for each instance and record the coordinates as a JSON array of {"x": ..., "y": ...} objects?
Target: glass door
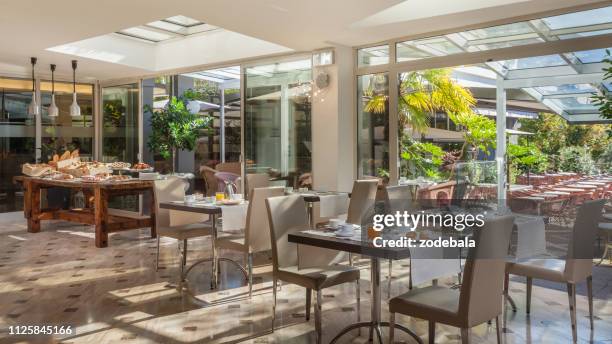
[
  {"x": 120, "y": 123},
  {"x": 17, "y": 139}
]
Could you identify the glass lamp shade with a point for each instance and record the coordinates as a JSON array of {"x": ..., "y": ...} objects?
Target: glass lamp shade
[
  {"x": 33, "y": 107},
  {"x": 53, "y": 111},
  {"x": 75, "y": 110}
]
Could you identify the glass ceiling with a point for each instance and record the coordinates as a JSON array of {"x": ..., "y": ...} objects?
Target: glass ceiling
[
  {"x": 220, "y": 75},
  {"x": 567, "y": 26},
  {"x": 168, "y": 28}
]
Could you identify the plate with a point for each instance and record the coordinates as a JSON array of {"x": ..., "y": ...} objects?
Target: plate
[{"x": 231, "y": 201}]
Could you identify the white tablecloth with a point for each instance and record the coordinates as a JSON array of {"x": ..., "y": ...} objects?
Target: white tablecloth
[{"x": 234, "y": 217}]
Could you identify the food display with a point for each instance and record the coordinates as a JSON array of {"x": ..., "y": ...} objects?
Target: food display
[
  {"x": 141, "y": 166},
  {"x": 61, "y": 176},
  {"x": 119, "y": 165},
  {"x": 118, "y": 178},
  {"x": 36, "y": 170},
  {"x": 80, "y": 169}
]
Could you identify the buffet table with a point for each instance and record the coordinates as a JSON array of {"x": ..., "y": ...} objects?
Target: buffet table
[{"x": 105, "y": 220}]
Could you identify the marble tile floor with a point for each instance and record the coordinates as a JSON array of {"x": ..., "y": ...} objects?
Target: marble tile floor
[{"x": 114, "y": 295}]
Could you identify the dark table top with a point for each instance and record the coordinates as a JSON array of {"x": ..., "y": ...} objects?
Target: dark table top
[
  {"x": 364, "y": 247},
  {"x": 210, "y": 209}
]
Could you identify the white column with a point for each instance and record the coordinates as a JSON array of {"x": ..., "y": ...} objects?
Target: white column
[
  {"x": 38, "y": 125},
  {"x": 284, "y": 129},
  {"x": 500, "y": 151}
]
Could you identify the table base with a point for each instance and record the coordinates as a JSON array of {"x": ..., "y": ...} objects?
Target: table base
[{"x": 375, "y": 327}]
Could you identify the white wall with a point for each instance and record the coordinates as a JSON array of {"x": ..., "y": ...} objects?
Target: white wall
[{"x": 333, "y": 126}]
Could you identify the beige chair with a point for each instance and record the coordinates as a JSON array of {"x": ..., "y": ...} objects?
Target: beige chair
[
  {"x": 397, "y": 198},
  {"x": 256, "y": 180},
  {"x": 210, "y": 182},
  {"x": 363, "y": 198},
  {"x": 173, "y": 189},
  {"x": 256, "y": 236},
  {"x": 287, "y": 214},
  {"x": 576, "y": 267},
  {"x": 480, "y": 298}
]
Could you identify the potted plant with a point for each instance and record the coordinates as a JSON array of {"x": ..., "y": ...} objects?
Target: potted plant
[{"x": 174, "y": 127}]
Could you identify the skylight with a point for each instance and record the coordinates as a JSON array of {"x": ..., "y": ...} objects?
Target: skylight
[
  {"x": 594, "y": 22},
  {"x": 168, "y": 28}
]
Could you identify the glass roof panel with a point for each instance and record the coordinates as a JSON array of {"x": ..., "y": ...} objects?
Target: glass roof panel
[
  {"x": 508, "y": 44},
  {"x": 590, "y": 56},
  {"x": 577, "y": 19},
  {"x": 566, "y": 89},
  {"x": 373, "y": 56},
  {"x": 585, "y": 34},
  {"x": 533, "y": 62},
  {"x": 183, "y": 20},
  {"x": 574, "y": 104},
  {"x": 498, "y": 31},
  {"x": 146, "y": 34}
]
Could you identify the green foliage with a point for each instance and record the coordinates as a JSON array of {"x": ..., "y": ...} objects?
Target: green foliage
[
  {"x": 480, "y": 131},
  {"x": 113, "y": 111},
  {"x": 203, "y": 91},
  {"x": 605, "y": 160},
  {"x": 576, "y": 159},
  {"x": 421, "y": 158},
  {"x": 604, "y": 102},
  {"x": 422, "y": 93},
  {"x": 527, "y": 158},
  {"x": 174, "y": 128}
]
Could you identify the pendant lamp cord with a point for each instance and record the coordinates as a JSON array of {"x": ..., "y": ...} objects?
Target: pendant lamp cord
[
  {"x": 33, "y": 60},
  {"x": 52, "y": 79},
  {"x": 74, "y": 67}
]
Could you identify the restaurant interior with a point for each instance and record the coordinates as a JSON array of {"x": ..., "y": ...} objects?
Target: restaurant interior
[{"x": 266, "y": 172}]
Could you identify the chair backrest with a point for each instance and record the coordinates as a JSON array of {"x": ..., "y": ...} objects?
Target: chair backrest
[
  {"x": 363, "y": 198},
  {"x": 287, "y": 214},
  {"x": 256, "y": 180},
  {"x": 167, "y": 190},
  {"x": 579, "y": 259},
  {"x": 257, "y": 231},
  {"x": 223, "y": 177},
  {"x": 232, "y": 167},
  {"x": 483, "y": 278},
  {"x": 208, "y": 174},
  {"x": 398, "y": 198}
]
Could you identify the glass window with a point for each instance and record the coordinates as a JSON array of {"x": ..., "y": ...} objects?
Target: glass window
[
  {"x": 498, "y": 31},
  {"x": 571, "y": 104},
  {"x": 429, "y": 47},
  {"x": 590, "y": 56},
  {"x": 278, "y": 121},
  {"x": 146, "y": 34},
  {"x": 156, "y": 93},
  {"x": 66, "y": 132},
  {"x": 17, "y": 139},
  {"x": 373, "y": 124},
  {"x": 373, "y": 56},
  {"x": 578, "y": 19},
  {"x": 566, "y": 89},
  {"x": 533, "y": 62},
  {"x": 183, "y": 20},
  {"x": 120, "y": 109}
]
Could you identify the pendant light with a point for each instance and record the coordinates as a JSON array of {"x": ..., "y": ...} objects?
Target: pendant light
[
  {"x": 52, "y": 111},
  {"x": 75, "y": 110},
  {"x": 33, "y": 107}
]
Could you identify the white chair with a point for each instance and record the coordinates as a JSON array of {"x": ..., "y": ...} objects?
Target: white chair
[
  {"x": 287, "y": 214},
  {"x": 576, "y": 267},
  {"x": 256, "y": 180},
  {"x": 173, "y": 189},
  {"x": 256, "y": 236}
]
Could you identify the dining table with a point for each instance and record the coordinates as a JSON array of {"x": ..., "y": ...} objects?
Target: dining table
[
  {"x": 364, "y": 247},
  {"x": 213, "y": 210}
]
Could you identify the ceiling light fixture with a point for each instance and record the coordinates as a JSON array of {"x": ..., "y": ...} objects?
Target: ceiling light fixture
[
  {"x": 52, "y": 111},
  {"x": 75, "y": 110},
  {"x": 33, "y": 107}
]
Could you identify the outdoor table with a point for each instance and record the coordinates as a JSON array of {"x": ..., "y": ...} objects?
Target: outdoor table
[
  {"x": 213, "y": 210},
  {"x": 366, "y": 249},
  {"x": 105, "y": 220}
]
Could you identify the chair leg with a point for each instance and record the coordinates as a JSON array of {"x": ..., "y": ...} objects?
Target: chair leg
[
  {"x": 432, "y": 332},
  {"x": 590, "y": 296},
  {"x": 358, "y": 295},
  {"x": 183, "y": 259},
  {"x": 318, "y": 307},
  {"x": 465, "y": 336},
  {"x": 498, "y": 329},
  {"x": 157, "y": 260},
  {"x": 410, "y": 275},
  {"x": 250, "y": 267},
  {"x": 529, "y": 284},
  {"x": 389, "y": 278},
  {"x": 308, "y": 302},
  {"x": 571, "y": 293},
  {"x": 274, "y": 302},
  {"x": 391, "y": 328},
  {"x": 507, "y": 297}
]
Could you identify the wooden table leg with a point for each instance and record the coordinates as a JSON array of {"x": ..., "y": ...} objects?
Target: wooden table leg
[
  {"x": 101, "y": 216},
  {"x": 27, "y": 199},
  {"x": 34, "y": 208},
  {"x": 152, "y": 212}
]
